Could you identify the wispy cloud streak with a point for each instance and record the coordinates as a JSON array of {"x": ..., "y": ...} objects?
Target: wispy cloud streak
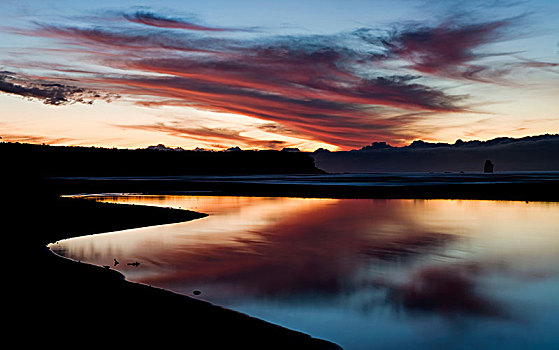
[
  {"x": 25, "y": 138},
  {"x": 151, "y": 19},
  {"x": 207, "y": 134}
]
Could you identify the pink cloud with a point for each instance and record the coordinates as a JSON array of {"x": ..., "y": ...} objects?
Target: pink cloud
[{"x": 315, "y": 86}]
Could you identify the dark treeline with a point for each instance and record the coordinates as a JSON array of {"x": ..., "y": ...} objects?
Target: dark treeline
[{"x": 46, "y": 160}]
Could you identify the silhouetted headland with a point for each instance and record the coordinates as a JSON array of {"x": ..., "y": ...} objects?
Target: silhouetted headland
[
  {"x": 532, "y": 153},
  {"x": 88, "y": 161}
]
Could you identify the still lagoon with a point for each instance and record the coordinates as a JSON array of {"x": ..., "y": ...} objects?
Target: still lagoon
[{"x": 364, "y": 273}]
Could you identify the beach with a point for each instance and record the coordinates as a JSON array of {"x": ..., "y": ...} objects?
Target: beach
[{"x": 73, "y": 304}]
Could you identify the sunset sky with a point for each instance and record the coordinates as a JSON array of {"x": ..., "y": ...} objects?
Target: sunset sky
[{"x": 263, "y": 74}]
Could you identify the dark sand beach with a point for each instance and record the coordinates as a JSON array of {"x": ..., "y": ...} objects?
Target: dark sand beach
[{"x": 71, "y": 304}]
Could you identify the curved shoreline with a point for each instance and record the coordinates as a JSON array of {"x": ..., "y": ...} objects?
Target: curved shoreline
[{"x": 103, "y": 306}]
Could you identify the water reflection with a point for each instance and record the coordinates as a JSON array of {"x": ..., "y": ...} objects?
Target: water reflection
[{"x": 356, "y": 272}]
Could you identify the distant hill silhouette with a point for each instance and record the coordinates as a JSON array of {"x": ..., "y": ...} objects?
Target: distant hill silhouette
[
  {"x": 532, "y": 153},
  {"x": 88, "y": 161}
]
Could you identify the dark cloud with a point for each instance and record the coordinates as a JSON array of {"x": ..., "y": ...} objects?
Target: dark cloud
[
  {"x": 50, "y": 93},
  {"x": 151, "y": 19},
  {"x": 277, "y": 128},
  {"x": 449, "y": 290}
]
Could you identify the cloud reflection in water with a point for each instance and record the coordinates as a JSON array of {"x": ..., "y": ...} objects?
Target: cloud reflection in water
[{"x": 277, "y": 257}]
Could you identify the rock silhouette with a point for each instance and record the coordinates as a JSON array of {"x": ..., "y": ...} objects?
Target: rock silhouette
[{"x": 488, "y": 167}]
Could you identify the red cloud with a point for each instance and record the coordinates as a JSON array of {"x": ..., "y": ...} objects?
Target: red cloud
[
  {"x": 449, "y": 50},
  {"x": 316, "y": 86}
]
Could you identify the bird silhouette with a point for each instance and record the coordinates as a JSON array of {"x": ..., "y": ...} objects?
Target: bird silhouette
[
  {"x": 116, "y": 262},
  {"x": 134, "y": 264}
]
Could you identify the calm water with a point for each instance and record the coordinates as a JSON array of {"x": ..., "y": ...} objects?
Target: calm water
[
  {"x": 365, "y": 179},
  {"x": 362, "y": 273}
]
